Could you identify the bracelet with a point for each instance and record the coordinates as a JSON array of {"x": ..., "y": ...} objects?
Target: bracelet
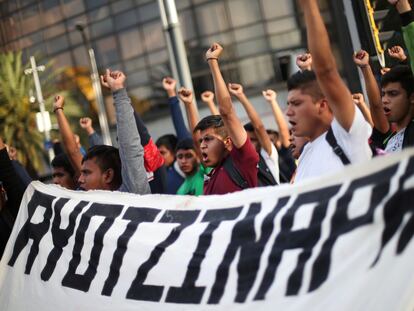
[
  {"x": 210, "y": 58},
  {"x": 56, "y": 109}
]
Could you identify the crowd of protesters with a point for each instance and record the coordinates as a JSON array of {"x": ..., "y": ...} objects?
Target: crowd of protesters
[{"x": 328, "y": 128}]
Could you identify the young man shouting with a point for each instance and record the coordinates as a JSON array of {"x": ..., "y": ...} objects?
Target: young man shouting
[
  {"x": 320, "y": 107},
  {"x": 223, "y": 137}
]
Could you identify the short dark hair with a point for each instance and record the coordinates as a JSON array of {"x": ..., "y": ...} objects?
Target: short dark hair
[
  {"x": 274, "y": 132},
  {"x": 106, "y": 157},
  {"x": 249, "y": 127},
  {"x": 185, "y": 144},
  {"x": 306, "y": 82},
  {"x": 62, "y": 160},
  {"x": 401, "y": 74},
  {"x": 213, "y": 121},
  {"x": 168, "y": 140}
]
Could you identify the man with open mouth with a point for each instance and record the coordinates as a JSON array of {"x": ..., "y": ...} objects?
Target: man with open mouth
[
  {"x": 321, "y": 108},
  {"x": 223, "y": 141}
]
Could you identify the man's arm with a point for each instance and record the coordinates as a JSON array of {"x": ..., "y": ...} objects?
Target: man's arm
[
  {"x": 259, "y": 128},
  {"x": 324, "y": 66},
  {"x": 134, "y": 177},
  {"x": 169, "y": 85},
  {"x": 93, "y": 137},
  {"x": 359, "y": 101},
  {"x": 271, "y": 98},
  {"x": 208, "y": 98},
  {"x": 68, "y": 138},
  {"x": 186, "y": 96},
  {"x": 407, "y": 19},
  {"x": 235, "y": 128},
  {"x": 361, "y": 59}
]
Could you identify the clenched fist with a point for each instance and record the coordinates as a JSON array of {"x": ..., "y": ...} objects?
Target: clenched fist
[
  {"x": 113, "y": 80},
  {"x": 235, "y": 89},
  {"x": 214, "y": 51},
  {"x": 361, "y": 58},
  {"x": 186, "y": 95},
  {"x": 397, "y": 52},
  {"x": 58, "y": 103},
  {"x": 304, "y": 61},
  {"x": 269, "y": 95},
  {"x": 207, "y": 96}
]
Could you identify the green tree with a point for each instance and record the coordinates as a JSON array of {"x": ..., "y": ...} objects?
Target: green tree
[{"x": 18, "y": 115}]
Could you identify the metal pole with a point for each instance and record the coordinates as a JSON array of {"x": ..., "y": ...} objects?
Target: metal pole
[
  {"x": 34, "y": 70},
  {"x": 96, "y": 84},
  {"x": 175, "y": 43},
  {"x": 356, "y": 42}
]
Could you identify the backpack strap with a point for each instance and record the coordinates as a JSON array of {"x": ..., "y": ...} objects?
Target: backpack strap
[
  {"x": 409, "y": 135},
  {"x": 330, "y": 138},
  {"x": 234, "y": 174},
  {"x": 264, "y": 176}
]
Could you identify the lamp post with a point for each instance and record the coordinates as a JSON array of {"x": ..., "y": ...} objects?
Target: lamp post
[
  {"x": 175, "y": 43},
  {"x": 34, "y": 71},
  {"x": 96, "y": 84}
]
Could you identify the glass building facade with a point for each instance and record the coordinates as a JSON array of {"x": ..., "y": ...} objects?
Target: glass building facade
[{"x": 258, "y": 37}]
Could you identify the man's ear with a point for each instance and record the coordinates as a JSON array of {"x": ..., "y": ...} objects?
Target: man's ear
[
  {"x": 228, "y": 144},
  {"x": 108, "y": 176},
  {"x": 323, "y": 106},
  {"x": 411, "y": 98}
]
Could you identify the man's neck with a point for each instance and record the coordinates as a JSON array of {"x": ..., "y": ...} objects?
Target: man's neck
[
  {"x": 404, "y": 122},
  {"x": 318, "y": 132}
]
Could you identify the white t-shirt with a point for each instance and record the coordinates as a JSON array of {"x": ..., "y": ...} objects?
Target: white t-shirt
[
  {"x": 272, "y": 162},
  {"x": 318, "y": 157},
  {"x": 395, "y": 143}
]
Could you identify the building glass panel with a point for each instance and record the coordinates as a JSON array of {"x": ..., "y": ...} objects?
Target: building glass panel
[
  {"x": 128, "y": 35},
  {"x": 244, "y": 12}
]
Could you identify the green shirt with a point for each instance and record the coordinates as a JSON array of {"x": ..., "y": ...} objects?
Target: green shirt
[{"x": 194, "y": 184}]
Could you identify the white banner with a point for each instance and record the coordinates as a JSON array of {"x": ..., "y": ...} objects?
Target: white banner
[{"x": 339, "y": 243}]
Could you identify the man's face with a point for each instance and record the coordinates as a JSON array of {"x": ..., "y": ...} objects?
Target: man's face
[
  {"x": 92, "y": 177},
  {"x": 254, "y": 140},
  {"x": 302, "y": 113},
  {"x": 397, "y": 106},
  {"x": 213, "y": 147},
  {"x": 187, "y": 161},
  {"x": 63, "y": 178},
  {"x": 167, "y": 155}
]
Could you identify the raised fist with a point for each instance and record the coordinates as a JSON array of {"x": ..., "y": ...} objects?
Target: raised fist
[
  {"x": 58, "y": 103},
  {"x": 358, "y": 99},
  {"x": 186, "y": 95},
  {"x": 361, "y": 58},
  {"x": 169, "y": 84},
  {"x": 214, "y": 51},
  {"x": 85, "y": 123},
  {"x": 385, "y": 70},
  {"x": 397, "y": 52},
  {"x": 304, "y": 61},
  {"x": 113, "y": 80},
  {"x": 207, "y": 96},
  {"x": 235, "y": 89},
  {"x": 269, "y": 95}
]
